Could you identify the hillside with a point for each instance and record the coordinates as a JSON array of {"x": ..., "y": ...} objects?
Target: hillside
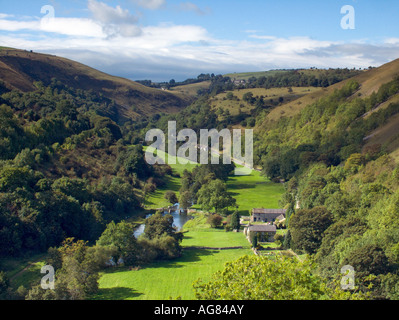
[
  {"x": 20, "y": 69},
  {"x": 369, "y": 82}
]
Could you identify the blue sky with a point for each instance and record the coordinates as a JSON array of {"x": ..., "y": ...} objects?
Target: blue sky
[{"x": 165, "y": 39}]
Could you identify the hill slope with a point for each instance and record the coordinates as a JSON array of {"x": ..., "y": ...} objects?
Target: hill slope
[
  {"x": 20, "y": 69},
  {"x": 369, "y": 82}
]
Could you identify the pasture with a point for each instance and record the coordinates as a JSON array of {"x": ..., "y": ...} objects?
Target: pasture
[{"x": 173, "y": 279}]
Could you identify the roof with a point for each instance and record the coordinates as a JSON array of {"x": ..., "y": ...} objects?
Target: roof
[
  {"x": 265, "y": 211},
  {"x": 281, "y": 217},
  {"x": 263, "y": 228}
]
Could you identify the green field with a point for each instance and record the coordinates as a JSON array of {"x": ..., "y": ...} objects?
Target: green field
[
  {"x": 251, "y": 191},
  {"x": 173, "y": 279},
  {"x": 254, "y": 191}
]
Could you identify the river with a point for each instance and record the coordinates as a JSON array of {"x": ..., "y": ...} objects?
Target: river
[{"x": 179, "y": 221}]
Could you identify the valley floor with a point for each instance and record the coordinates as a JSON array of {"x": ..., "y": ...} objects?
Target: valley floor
[{"x": 173, "y": 279}]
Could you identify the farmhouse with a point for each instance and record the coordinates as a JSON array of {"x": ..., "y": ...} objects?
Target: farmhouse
[
  {"x": 265, "y": 232},
  {"x": 267, "y": 215}
]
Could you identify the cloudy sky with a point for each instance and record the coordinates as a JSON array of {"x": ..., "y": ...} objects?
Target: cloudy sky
[{"x": 179, "y": 39}]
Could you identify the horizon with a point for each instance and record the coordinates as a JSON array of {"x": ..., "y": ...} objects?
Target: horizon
[{"x": 160, "y": 40}]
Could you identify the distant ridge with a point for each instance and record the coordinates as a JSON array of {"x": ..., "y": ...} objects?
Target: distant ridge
[{"x": 19, "y": 69}]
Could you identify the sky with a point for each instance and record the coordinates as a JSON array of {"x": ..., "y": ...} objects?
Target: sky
[{"x": 160, "y": 40}]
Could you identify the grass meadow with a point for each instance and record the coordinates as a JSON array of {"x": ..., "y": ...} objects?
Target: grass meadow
[
  {"x": 173, "y": 279},
  {"x": 251, "y": 191},
  {"x": 254, "y": 191}
]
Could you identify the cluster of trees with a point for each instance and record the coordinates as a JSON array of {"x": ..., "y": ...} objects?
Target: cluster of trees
[
  {"x": 300, "y": 78},
  {"x": 77, "y": 264},
  {"x": 206, "y": 185},
  {"x": 277, "y": 278},
  {"x": 281, "y": 79},
  {"x": 159, "y": 241},
  {"x": 197, "y": 116},
  {"x": 45, "y": 195},
  {"x": 348, "y": 216},
  {"x": 327, "y": 131}
]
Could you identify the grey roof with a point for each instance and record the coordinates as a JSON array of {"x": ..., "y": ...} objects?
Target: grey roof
[
  {"x": 265, "y": 211},
  {"x": 263, "y": 228},
  {"x": 280, "y": 217}
]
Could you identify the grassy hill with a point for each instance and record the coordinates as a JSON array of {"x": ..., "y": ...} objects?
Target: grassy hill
[
  {"x": 272, "y": 96},
  {"x": 20, "y": 69},
  {"x": 369, "y": 83},
  {"x": 189, "y": 91}
]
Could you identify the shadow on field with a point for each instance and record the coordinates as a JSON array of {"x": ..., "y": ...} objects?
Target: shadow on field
[
  {"x": 193, "y": 255},
  {"x": 241, "y": 186},
  {"x": 243, "y": 213},
  {"x": 172, "y": 184},
  {"x": 189, "y": 255},
  {"x": 118, "y": 293}
]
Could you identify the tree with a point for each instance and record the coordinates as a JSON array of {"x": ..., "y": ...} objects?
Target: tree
[
  {"x": 78, "y": 276},
  {"x": 120, "y": 236},
  {"x": 215, "y": 220},
  {"x": 290, "y": 212},
  {"x": 367, "y": 259},
  {"x": 171, "y": 197},
  {"x": 254, "y": 239},
  {"x": 163, "y": 247},
  {"x": 157, "y": 225},
  {"x": 4, "y": 285},
  {"x": 229, "y": 95},
  {"x": 185, "y": 200},
  {"x": 215, "y": 195},
  {"x": 235, "y": 221},
  {"x": 307, "y": 227},
  {"x": 287, "y": 240},
  {"x": 248, "y": 97},
  {"x": 260, "y": 278}
]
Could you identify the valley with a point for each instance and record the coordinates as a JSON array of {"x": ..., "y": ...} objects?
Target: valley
[{"x": 74, "y": 183}]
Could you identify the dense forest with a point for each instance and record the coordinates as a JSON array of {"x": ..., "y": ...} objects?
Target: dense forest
[{"x": 42, "y": 192}]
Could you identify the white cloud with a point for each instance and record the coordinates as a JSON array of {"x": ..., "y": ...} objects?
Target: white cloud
[
  {"x": 255, "y": 36},
  {"x": 150, "y": 4},
  {"x": 106, "y": 14},
  {"x": 189, "y": 6},
  {"x": 392, "y": 41},
  {"x": 62, "y": 26},
  {"x": 115, "y": 21}
]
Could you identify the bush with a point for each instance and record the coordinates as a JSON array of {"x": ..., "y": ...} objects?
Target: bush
[{"x": 215, "y": 220}]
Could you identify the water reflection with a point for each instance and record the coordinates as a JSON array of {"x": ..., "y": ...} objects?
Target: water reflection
[{"x": 179, "y": 220}]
